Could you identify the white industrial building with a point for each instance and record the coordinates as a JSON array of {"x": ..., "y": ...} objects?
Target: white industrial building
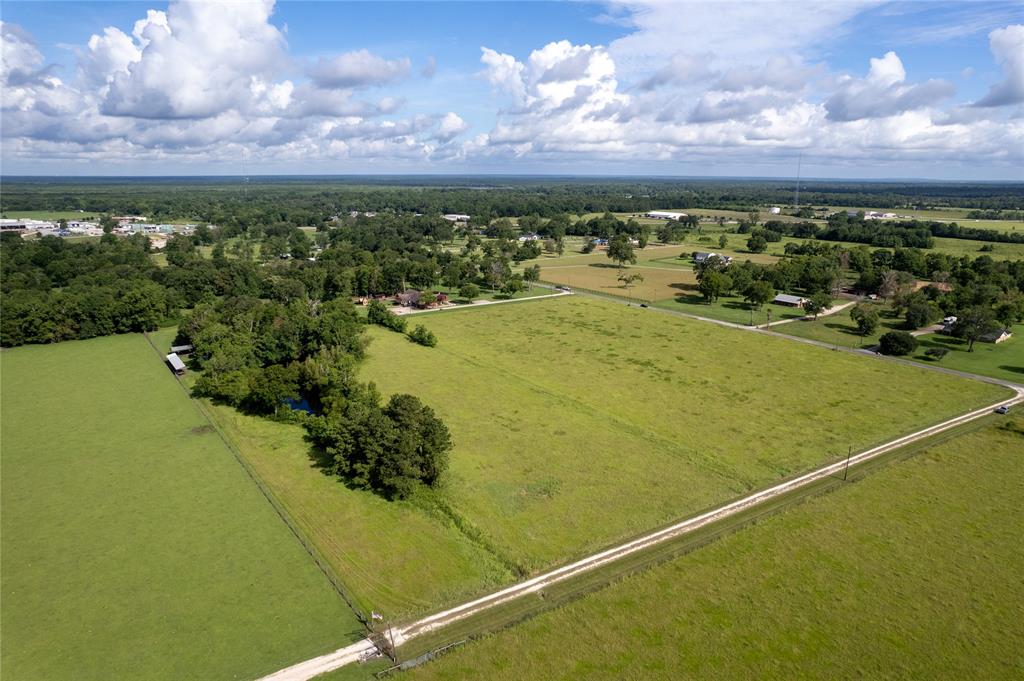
[
  {"x": 664, "y": 215},
  {"x": 456, "y": 217}
]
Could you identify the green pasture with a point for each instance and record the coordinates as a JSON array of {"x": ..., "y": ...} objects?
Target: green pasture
[
  {"x": 563, "y": 409},
  {"x": 393, "y": 557},
  {"x": 134, "y": 545},
  {"x": 910, "y": 573}
]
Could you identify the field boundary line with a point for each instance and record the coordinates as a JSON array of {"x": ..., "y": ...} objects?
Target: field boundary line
[
  {"x": 282, "y": 513},
  {"x": 310, "y": 668}
]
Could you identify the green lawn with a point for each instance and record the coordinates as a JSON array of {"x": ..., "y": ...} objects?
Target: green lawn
[
  {"x": 729, "y": 309},
  {"x": 910, "y": 573},
  {"x": 1004, "y": 360},
  {"x": 134, "y": 545},
  {"x": 839, "y": 329},
  {"x": 563, "y": 409}
]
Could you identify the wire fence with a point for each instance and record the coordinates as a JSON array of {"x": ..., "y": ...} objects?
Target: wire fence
[
  {"x": 595, "y": 292},
  {"x": 317, "y": 557},
  {"x": 417, "y": 661}
]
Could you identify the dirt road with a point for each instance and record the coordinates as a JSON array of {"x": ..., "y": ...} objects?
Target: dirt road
[{"x": 310, "y": 668}]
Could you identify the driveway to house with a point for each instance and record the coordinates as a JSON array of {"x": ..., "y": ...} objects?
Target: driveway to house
[
  {"x": 934, "y": 328},
  {"x": 808, "y": 317}
]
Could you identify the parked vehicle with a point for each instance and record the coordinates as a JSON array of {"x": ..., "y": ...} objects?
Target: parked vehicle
[{"x": 1003, "y": 409}]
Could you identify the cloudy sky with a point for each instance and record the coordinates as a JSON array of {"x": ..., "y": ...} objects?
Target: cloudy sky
[{"x": 856, "y": 89}]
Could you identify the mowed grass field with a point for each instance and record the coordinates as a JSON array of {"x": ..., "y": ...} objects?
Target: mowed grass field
[
  {"x": 134, "y": 546},
  {"x": 910, "y": 573},
  {"x": 579, "y": 422}
]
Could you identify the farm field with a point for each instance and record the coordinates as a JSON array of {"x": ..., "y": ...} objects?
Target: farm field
[
  {"x": 391, "y": 556},
  {"x": 659, "y": 281},
  {"x": 133, "y": 544},
  {"x": 911, "y": 572},
  {"x": 563, "y": 408}
]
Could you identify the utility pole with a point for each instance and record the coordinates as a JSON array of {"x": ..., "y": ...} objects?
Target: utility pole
[{"x": 796, "y": 198}]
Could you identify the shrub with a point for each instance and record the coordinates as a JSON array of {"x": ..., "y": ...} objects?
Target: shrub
[
  {"x": 423, "y": 336},
  {"x": 897, "y": 343},
  {"x": 378, "y": 313}
]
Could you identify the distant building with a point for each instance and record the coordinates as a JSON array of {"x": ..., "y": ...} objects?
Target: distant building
[
  {"x": 664, "y": 215},
  {"x": 789, "y": 301},
  {"x": 997, "y": 336},
  {"x": 177, "y": 366},
  {"x": 408, "y": 298},
  {"x": 456, "y": 217},
  {"x": 529, "y": 236},
  {"x": 24, "y": 224},
  {"x": 774, "y": 210},
  {"x": 700, "y": 257},
  {"x": 181, "y": 349}
]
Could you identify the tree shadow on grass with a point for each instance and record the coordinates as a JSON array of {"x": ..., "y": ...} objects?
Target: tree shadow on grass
[
  {"x": 604, "y": 265},
  {"x": 692, "y": 299},
  {"x": 948, "y": 342},
  {"x": 683, "y": 286},
  {"x": 1016, "y": 370}
]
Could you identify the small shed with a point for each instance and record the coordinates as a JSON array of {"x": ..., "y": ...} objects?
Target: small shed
[
  {"x": 177, "y": 366},
  {"x": 789, "y": 301},
  {"x": 181, "y": 349}
]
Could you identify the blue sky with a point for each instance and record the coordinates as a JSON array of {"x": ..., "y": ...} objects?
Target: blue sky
[{"x": 859, "y": 89}]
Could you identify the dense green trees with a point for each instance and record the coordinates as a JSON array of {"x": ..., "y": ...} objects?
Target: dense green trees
[
  {"x": 757, "y": 293},
  {"x": 387, "y": 449},
  {"x": 54, "y": 290}
]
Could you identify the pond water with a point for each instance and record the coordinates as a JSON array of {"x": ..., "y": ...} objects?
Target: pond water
[{"x": 299, "y": 404}]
